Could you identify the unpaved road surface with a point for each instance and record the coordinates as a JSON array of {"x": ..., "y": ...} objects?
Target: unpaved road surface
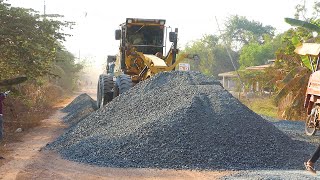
[{"x": 27, "y": 160}]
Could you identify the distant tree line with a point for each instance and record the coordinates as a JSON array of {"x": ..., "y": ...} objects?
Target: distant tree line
[{"x": 250, "y": 43}]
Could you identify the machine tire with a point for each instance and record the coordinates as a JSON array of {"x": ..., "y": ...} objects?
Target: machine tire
[
  {"x": 99, "y": 94},
  {"x": 104, "y": 90},
  {"x": 310, "y": 129},
  {"x": 123, "y": 84}
]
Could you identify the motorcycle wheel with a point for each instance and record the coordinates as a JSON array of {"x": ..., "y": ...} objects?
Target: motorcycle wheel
[{"x": 312, "y": 122}]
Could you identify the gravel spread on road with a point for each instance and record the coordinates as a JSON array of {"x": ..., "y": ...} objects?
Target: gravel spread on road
[
  {"x": 180, "y": 120},
  {"x": 80, "y": 108}
]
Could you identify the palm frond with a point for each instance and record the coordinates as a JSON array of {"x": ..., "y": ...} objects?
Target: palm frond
[
  {"x": 306, "y": 62},
  {"x": 290, "y": 86},
  {"x": 292, "y": 74},
  {"x": 295, "y": 110},
  {"x": 304, "y": 24},
  {"x": 289, "y": 57}
]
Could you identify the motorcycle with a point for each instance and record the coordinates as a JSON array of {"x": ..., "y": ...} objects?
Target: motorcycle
[{"x": 312, "y": 121}]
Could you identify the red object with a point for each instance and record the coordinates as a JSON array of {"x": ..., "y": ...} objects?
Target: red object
[
  {"x": 312, "y": 50},
  {"x": 313, "y": 91}
]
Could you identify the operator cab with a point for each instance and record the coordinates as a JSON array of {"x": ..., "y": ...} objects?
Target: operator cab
[
  {"x": 146, "y": 35},
  {"x": 146, "y": 39}
]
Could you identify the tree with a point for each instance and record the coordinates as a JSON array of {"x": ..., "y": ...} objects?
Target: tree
[
  {"x": 214, "y": 58},
  {"x": 240, "y": 31},
  {"x": 65, "y": 69},
  {"x": 254, "y": 42},
  {"x": 295, "y": 69},
  {"x": 254, "y": 53},
  {"x": 301, "y": 19},
  {"x": 28, "y": 41},
  {"x": 304, "y": 24}
]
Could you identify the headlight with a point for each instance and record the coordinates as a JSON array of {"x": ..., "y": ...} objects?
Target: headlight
[
  {"x": 129, "y": 21},
  {"x": 161, "y": 22}
]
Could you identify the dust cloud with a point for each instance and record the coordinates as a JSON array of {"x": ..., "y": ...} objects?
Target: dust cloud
[{"x": 88, "y": 79}]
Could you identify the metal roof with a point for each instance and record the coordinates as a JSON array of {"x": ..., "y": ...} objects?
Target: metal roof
[
  {"x": 261, "y": 67},
  {"x": 228, "y": 74}
]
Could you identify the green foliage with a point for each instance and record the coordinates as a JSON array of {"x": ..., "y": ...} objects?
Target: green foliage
[
  {"x": 252, "y": 77},
  {"x": 296, "y": 41},
  {"x": 263, "y": 106},
  {"x": 295, "y": 69},
  {"x": 214, "y": 58},
  {"x": 28, "y": 42},
  {"x": 305, "y": 27},
  {"x": 255, "y": 44},
  {"x": 302, "y": 10},
  {"x": 30, "y": 45},
  {"x": 291, "y": 74},
  {"x": 304, "y": 24},
  {"x": 306, "y": 62},
  {"x": 291, "y": 82},
  {"x": 255, "y": 40},
  {"x": 65, "y": 69},
  {"x": 254, "y": 54},
  {"x": 239, "y": 30}
]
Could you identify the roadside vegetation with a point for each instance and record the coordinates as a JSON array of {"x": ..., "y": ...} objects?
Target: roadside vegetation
[
  {"x": 262, "y": 106},
  {"x": 31, "y": 46},
  {"x": 250, "y": 43}
]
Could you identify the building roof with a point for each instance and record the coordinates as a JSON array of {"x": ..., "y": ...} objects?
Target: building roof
[
  {"x": 228, "y": 74},
  {"x": 261, "y": 67}
]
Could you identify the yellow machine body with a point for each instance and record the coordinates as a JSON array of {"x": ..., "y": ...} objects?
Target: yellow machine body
[{"x": 143, "y": 43}]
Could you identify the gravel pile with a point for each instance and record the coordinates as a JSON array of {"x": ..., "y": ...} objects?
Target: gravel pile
[
  {"x": 181, "y": 120},
  {"x": 80, "y": 108}
]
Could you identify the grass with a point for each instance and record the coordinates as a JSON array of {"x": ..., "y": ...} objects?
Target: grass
[{"x": 263, "y": 106}]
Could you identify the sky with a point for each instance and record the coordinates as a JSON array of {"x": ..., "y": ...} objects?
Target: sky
[{"x": 96, "y": 20}]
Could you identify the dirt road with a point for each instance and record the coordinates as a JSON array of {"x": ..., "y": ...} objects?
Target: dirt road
[{"x": 27, "y": 160}]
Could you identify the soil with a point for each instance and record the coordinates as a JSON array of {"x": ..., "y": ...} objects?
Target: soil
[{"x": 26, "y": 159}]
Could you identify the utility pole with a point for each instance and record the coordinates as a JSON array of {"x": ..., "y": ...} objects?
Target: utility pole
[
  {"x": 44, "y": 8},
  {"x": 231, "y": 59}
]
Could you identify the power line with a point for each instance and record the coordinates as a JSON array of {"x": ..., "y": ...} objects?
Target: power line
[{"x": 229, "y": 54}]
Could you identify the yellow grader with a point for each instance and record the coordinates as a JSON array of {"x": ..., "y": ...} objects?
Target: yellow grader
[{"x": 141, "y": 55}]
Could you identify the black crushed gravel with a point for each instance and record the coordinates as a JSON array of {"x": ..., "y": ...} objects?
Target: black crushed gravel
[
  {"x": 181, "y": 120},
  {"x": 272, "y": 175},
  {"x": 80, "y": 108},
  {"x": 295, "y": 130}
]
